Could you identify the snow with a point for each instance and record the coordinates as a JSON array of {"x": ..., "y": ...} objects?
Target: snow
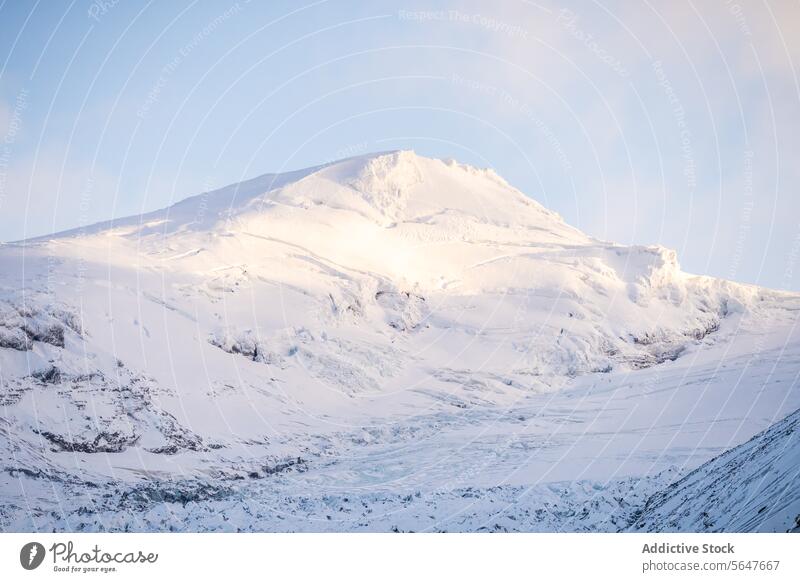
[
  {"x": 749, "y": 488},
  {"x": 409, "y": 338}
]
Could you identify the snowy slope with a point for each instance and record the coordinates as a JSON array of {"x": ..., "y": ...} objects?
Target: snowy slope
[
  {"x": 383, "y": 326},
  {"x": 753, "y": 487}
]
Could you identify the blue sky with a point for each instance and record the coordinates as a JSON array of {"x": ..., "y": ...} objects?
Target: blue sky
[{"x": 672, "y": 123}]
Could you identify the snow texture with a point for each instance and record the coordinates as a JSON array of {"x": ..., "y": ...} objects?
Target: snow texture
[{"x": 385, "y": 343}]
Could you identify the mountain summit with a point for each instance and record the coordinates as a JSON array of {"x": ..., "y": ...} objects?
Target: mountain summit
[
  {"x": 397, "y": 214},
  {"x": 382, "y": 323},
  {"x": 401, "y": 238}
]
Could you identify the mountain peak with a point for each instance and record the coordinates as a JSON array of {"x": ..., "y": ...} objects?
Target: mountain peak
[
  {"x": 384, "y": 181},
  {"x": 414, "y": 220},
  {"x": 386, "y": 187},
  {"x": 401, "y": 186}
]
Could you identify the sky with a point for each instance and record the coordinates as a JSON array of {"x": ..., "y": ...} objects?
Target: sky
[{"x": 640, "y": 122}]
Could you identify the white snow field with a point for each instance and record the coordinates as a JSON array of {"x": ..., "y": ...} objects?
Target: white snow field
[{"x": 384, "y": 343}]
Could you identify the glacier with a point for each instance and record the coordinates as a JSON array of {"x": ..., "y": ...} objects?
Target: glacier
[{"x": 385, "y": 343}]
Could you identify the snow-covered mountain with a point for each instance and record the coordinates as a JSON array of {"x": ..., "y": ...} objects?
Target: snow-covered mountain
[
  {"x": 385, "y": 342},
  {"x": 753, "y": 487}
]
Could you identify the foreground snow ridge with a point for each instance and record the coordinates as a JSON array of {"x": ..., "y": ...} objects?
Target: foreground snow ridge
[{"x": 385, "y": 343}]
